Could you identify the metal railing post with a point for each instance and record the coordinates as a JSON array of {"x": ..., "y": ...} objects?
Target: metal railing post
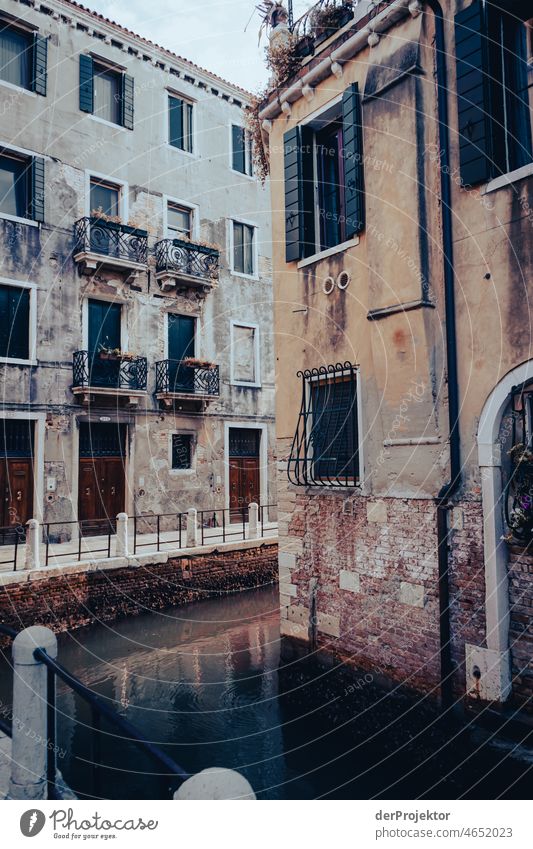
[
  {"x": 122, "y": 535},
  {"x": 253, "y": 512},
  {"x": 192, "y": 528},
  {"x": 33, "y": 553},
  {"x": 30, "y": 751}
]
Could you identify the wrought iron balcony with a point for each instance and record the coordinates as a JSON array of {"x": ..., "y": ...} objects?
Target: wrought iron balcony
[
  {"x": 178, "y": 379},
  {"x": 179, "y": 261},
  {"x": 99, "y": 242},
  {"x": 107, "y": 374}
]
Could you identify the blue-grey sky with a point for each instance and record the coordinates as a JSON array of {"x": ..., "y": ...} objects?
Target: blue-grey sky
[{"x": 208, "y": 32}]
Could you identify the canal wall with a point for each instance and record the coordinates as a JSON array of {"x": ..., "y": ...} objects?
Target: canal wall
[{"x": 63, "y": 598}]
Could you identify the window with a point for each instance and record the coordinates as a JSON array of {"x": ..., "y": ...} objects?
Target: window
[
  {"x": 243, "y": 248},
  {"x": 106, "y": 92},
  {"x": 180, "y": 123},
  {"x": 179, "y": 221},
  {"x": 245, "y": 354},
  {"x": 324, "y": 186},
  {"x": 23, "y": 58},
  {"x": 15, "y": 322},
  {"x": 21, "y": 186},
  {"x": 325, "y": 449},
  {"x": 104, "y": 196},
  {"x": 181, "y": 451},
  {"x": 492, "y": 90},
  {"x": 241, "y": 150}
]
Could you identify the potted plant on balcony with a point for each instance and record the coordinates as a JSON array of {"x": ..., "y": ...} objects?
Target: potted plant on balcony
[
  {"x": 326, "y": 20},
  {"x": 106, "y": 353},
  {"x": 196, "y": 362}
]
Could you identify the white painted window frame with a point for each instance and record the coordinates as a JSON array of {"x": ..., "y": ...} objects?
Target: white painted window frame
[
  {"x": 191, "y": 471},
  {"x": 173, "y": 92},
  {"x": 30, "y": 154},
  {"x": 121, "y": 185},
  {"x": 194, "y": 209},
  {"x": 32, "y": 330},
  {"x": 255, "y": 248},
  {"x": 257, "y": 354},
  {"x": 248, "y": 156}
]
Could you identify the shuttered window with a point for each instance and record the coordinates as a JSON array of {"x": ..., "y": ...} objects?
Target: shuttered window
[
  {"x": 14, "y": 322},
  {"x": 21, "y": 186},
  {"x": 23, "y": 58},
  {"x": 106, "y": 92},
  {"x": 180, "y": 118},
  {"x": 492, "y": 99},
  {"x": 322, "y": 216}
]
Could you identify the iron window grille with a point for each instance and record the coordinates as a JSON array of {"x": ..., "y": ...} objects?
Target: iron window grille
[
  {"x": 325, "y": 448},
  {"x": 518, "y": 494}
]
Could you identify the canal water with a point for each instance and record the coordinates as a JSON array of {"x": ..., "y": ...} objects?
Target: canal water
[{"x": 205, "y": 682}]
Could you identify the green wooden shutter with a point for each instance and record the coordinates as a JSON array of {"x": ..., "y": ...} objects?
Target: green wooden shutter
[
  {"x": 354, "y": 188},
  {"x": 127, "y": 101},
  {"x": 39, "y": 64},
  {"x": 15, "y": 324},
  {"x": 37, "y": 189},
  {"x": 473, "y": 95},
  {"x": 299, "y": 203},
  {"x": 86, "y": 83}
]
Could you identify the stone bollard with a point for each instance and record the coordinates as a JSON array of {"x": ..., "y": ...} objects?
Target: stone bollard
[
  {"x": 215, "y": 783},
  {"x": 122, "y": 535},
  {"x": 253, "y": 516},
  {"x": 29, "y": 750},
  {"x": 192, "y": 528},
  {"x": 33, "y": 545}
]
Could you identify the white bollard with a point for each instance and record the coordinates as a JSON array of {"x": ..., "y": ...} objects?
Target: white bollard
[
  {"x": 192, "y": 528},
  {"x": 215, "y": 783},
  {"x": 29, "y": 750},
  {"x": 33, "y": 545},
  {"x": 253, "y": 516},
  {"x": 122, "y": 535}
]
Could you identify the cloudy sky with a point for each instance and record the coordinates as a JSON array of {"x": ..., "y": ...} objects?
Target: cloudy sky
[{"x": 209, "y": 32}]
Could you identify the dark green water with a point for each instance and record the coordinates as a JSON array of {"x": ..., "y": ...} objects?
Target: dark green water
[{"x": 204, "y": 681}]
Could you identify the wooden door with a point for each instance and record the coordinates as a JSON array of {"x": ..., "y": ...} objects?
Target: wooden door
[
  {"x": 16, "y": 491},
  {"x": 244, "y": 485},
  {"x": 101, "y": 493}
]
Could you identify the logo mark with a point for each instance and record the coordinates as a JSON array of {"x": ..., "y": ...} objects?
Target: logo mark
[{"x": 32, "y": 822}]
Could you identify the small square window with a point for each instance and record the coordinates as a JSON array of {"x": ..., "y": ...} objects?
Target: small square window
[
  {"x": 181, "y": 451},
  {"x": 15, "y": 56},
  {"x": 107, "y": 93},
  {"x": 104, "y": 197},
  {"x": 243, "y": 248},
  {"x": 14, "y": 185},
  {"x": 180, "y": 123},
  {"x": 179, "y": 221}
]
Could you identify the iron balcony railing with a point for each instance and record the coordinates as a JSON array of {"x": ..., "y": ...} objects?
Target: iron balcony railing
[
  {"x": 95, "y": 370},
  {"x": 176, "y": 256},
  {"x": 114, "y": 241},
  {"x": 323, "y": 19},
  {"x": 176, "y": 377}
]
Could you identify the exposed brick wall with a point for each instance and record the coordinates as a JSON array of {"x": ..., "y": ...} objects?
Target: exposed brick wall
[
  {"x": 70, "y": 600},
  {"x": 521, "y": 624}
]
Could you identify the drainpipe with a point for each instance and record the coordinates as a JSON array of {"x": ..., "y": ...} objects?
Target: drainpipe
[{"x": 451, "y": 487}]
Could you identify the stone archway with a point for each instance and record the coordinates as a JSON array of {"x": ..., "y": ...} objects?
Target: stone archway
[{"x": 491, "y": 665}]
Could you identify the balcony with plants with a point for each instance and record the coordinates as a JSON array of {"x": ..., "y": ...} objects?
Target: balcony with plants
[
  {"x": 188, "y": 263},
  {"x": 109, "y": 372},
  {"x": 188, "y": 380},
  {"x": 102, "y": 240}
]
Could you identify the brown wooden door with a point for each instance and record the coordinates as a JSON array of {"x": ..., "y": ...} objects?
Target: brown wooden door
[
  {"x": 243, "y": 485},
  {"x": 101, "y": 493},
  {"x": 16, "y": 492}
]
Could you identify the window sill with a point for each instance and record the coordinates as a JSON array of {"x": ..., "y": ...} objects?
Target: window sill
[
  {"x": 243, "y": 275},
  {"x": 242, "y": 174},
  {"x": 104, "y": 121},
  {"x": 245, "y": 385},
  {"x": 18, "y": 88},
  {"x": 18, "y": 220},
  {"x": 344, "y": 246},
  {"x": 508, "y": 179},
  {"x": 13, "y": 361},
  {"x": 178, "y": 473},
  {"x": 190, "y": 154}
]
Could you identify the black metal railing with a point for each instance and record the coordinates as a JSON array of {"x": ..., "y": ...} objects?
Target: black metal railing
[
  {"x": 176, "y": 256},
  {"x": 518, "y": 490},
  {"x": 172, "y": 775},
  {"x": 96, "y": 370},
  {"x": 177, "y": 377},
  {"x": 81, "y": 538},
  {"x": 325, "y": 448},
  {"x": 115, "y": 241},
  {"x": 11, "y": 536},
  {"x": 323, "y": 19}
]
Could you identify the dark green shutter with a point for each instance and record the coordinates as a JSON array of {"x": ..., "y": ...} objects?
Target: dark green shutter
[
  {"x": 175, "y": 106},
  {"x": 86, "y": 83},
  {"x": 354, "y": 188},
  {"x": 238, "y": 142},
  {"x": 15, "y": 324},
  {"x": 39, "y": 64},
  {"x": 299, "y": 203},
  {"x": 127, "y": 101},
  {"x": 473, "y": 95},
  {"x": 37, "y": 189}
]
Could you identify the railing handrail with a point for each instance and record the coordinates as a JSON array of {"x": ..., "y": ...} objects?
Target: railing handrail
[
  {"x": 114, "y": 225},
  {"x": 192, "y": 245}
]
